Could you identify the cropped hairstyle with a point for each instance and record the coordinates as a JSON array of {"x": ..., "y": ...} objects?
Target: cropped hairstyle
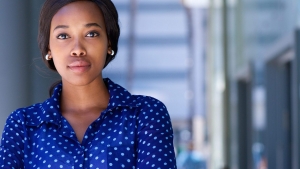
[{"x": 51, "y": 7}]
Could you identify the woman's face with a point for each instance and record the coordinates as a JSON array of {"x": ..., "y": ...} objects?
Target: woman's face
[{"x": 78, "y": 42}]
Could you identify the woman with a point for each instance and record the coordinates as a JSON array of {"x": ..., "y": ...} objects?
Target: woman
[{"x": 88, "y": 122}]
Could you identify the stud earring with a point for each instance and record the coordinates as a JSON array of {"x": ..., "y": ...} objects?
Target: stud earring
[
  {"x": 47, "y": 57},
  {"x": 112, "y": 52}
]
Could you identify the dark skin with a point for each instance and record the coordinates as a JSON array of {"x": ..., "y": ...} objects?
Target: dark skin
[{"x": 78, "y": 46}]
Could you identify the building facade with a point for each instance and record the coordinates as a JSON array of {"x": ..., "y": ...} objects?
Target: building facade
[{"x": 258, "y": 50}]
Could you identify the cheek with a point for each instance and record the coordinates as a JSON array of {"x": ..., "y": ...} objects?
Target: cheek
[
  {"x": 56, "y": 47},
  {"x": 58, "y": 65},
  {"x": 51, "y": 42},
  {"x": 58, "y": 52},
  {"x": 101, "y": 59},
  {"x": 100, "y": 52}
]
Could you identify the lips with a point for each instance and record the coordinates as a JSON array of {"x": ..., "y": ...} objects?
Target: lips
[{"x": 79, "y": 66}]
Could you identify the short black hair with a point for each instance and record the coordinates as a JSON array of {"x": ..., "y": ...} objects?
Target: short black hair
[{"x": 51, "y": 7}]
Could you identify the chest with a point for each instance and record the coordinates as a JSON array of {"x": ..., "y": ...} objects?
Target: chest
[
  {"x": 107, "y": 143},
  {"x": 80, "y": 123}
]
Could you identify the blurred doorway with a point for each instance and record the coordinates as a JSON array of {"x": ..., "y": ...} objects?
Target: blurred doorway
[
  {"x": 279, "y": 85},
  {"x": 244, "y": 123}
]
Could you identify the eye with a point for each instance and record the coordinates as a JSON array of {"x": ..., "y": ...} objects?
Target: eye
[
  {"x": 63, "y": 36},
  {"x": 92, "y": 34}
]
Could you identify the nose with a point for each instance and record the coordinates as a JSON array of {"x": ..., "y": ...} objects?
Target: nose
[{"x": 78, "y": 49}]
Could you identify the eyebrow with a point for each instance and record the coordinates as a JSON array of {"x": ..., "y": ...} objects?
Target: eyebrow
[
  {"x": 92, "y": 24},
  {"x": 61, "y": 26},
  {"x": 86, "y": 25}
]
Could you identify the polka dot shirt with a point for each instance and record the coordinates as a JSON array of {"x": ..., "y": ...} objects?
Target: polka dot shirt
[{"x": 134, "y": 132}]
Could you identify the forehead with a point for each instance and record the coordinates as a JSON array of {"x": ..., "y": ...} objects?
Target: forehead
[{"x": 79, "y": 11}]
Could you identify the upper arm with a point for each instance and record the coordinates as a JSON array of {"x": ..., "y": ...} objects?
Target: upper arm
[
  {"x": 11, "y": 149},
  {"x": 155, "y": 137}
]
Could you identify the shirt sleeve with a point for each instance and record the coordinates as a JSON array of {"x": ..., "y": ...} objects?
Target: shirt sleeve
[
  {"x": 155, "y": 137},
  {"x": 11, "y": 151}
]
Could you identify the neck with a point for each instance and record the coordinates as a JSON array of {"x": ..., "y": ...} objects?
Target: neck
[{"x": 82, "y": 99}]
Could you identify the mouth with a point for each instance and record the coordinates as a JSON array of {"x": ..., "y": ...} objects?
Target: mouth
[{"x": 79, "y": 66}]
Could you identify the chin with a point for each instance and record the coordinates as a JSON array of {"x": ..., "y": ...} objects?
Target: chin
[{"x": 82, "y": 81}]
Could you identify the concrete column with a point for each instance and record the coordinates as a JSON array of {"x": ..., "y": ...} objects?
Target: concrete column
[
  {"x": 14, "y": 54},
  {"x": 198, "y": 76}
]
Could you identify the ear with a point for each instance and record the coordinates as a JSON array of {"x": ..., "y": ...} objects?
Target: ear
[
  {"x": 109, "y": 49},
  {"x": 109, "y": 52},
  {"x": 49, "y": 50},
  {"x": 49, "y": 53}
]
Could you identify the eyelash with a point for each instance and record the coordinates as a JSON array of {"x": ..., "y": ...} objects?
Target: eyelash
[
  {"x": 59, "y": 36},
  {"x": 95, "y": 34}
]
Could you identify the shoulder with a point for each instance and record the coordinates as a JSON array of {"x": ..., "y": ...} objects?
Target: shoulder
[
  {"x": 152, "y": 112},
  {"x": 149, "y": 104},
  {"x": 36, "y": 114},
  {"x": 25, "y": 114},
  {"x": 144, "y": 105}
]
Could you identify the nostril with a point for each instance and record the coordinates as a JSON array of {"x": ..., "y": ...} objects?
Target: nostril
[
  {"x": 79, "y": 53},
  {"x": 82, "y": 53}
]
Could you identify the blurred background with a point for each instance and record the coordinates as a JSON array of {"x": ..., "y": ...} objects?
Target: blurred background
[{"x": 227, "y": 70}]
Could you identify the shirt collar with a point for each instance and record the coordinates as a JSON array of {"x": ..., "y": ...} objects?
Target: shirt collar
[
  {"x": 49, "y": 111},
  {"x": 119, "y": 97}
]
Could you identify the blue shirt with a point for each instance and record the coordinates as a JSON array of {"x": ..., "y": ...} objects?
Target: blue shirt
[{"x": 134, "y": 132}]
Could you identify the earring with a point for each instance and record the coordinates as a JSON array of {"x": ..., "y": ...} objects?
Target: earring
[
  {"x": 47, "y": 57},
  {"x": 112, "y": 52}
]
